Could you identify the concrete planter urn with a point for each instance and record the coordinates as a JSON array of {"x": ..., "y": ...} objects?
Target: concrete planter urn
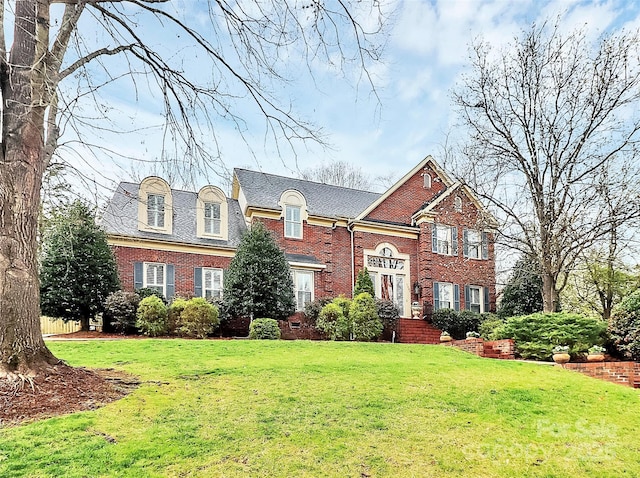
[
  {"x": 596, "y": 354},
  {"x": 561, "y": 354},
  {"x": 445, "y": 337}
]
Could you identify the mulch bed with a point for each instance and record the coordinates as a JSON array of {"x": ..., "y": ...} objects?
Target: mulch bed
[{"x": 61, "y": 390}]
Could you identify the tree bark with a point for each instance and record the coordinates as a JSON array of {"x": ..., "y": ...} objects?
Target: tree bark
[
  {"x": 550, "y": 296},
  {"x": 22, "y": 163}
]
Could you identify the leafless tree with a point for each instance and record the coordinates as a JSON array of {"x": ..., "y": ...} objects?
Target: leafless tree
[
  {"x": 63, "y": 54},
  {"x": 338, "y": 173},
  {"x": 552, "y": 118}
]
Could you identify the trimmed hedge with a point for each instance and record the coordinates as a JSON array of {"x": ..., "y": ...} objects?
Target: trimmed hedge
[{"x": 152, "y": 316}]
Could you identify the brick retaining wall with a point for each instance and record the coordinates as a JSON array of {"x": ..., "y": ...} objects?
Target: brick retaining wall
[
  {"x": 499, "y": 349},
  {"x": 623, "y": 373}
]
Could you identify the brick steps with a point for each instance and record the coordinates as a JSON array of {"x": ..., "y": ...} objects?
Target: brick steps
[{"x": 416, "y": 331}]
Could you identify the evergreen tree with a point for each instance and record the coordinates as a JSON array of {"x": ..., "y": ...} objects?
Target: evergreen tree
[
  {"x": 258, "y": 282},
  {"x": 523, "y": 293},
  {"x": 364, "y": 283},
  {"x": 78, "y": 270}
]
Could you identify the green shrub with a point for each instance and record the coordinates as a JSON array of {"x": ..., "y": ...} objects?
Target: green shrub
[
  {"x": 198, "y": 318},
  {"x": 535, "y": 335},
  {"x": 365, "y": 323},
  {"x": 312, "y": 309},
  {"x": 265, "y": 329},
  {"x": 152, "y": 316},
  {"x": 363, "y": 284},
  {"x": 490, "y": 325},
  {"x": 333, "y": 322},
  {"x": 387, "y": 311},
  {"x": 624, "y": 326},
  {"x": 120, "y": 311},
  {"x": 173, "y": 314},
  {"x": 456, "y": 323}
]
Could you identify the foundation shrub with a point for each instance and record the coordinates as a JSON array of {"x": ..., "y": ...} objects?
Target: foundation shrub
[
  {"x": 364, "y": 319},
  {"x": 152, "y": 316},
  {"x": 264, "y": 329},
  {"x": 120, "y": 312},
  {"x": 198, "y": 318},
  {"x": 456, "y": 323}
]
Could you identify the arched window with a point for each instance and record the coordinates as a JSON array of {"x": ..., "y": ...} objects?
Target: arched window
[
  {"x": 457, "y": 204},
  {"x": 155, "y": 206},
  {"x": 212, "y": 213},
  {"x": 389, "y": 272}
]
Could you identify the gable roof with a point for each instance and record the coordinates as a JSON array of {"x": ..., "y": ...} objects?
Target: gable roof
[
  {"x": 121, "y": 218},
  {"x": 262, "y": 190},
  {"x": 446, "y": 180}
]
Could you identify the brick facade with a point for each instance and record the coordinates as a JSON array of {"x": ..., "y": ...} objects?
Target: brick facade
[{"x": 339, "y": 245}]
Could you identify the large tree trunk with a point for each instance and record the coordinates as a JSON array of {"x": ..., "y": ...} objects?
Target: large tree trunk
[
  {"x": 550, "y": 296},
  {"x": 22, "y": 163}
]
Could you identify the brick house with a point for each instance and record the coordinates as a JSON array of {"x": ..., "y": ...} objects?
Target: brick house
[{"x": 427, "y": 239}]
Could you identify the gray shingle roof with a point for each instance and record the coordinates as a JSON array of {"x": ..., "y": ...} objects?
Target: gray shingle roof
[
  {"x": 121, "y": 217},
  {"x": 264, "y": 190}
]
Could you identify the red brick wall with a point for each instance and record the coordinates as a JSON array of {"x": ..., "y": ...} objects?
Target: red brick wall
[
  {"x": 407, "y": 199},
  {"x": 183, "y": 262},
  {"x": 623, "y": 373}
]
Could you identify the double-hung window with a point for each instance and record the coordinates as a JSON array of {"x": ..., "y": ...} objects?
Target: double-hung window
[
  {"x": 476, "y": 298},
  {"x": 155, "y": 210},
  {"x": 293, "y": 222},
  {"x": 303, "y": 284},
  {"x": 475, "y": 244},
  {"x": 445, "y": 240},
  {"x": 475, "y": 304},
  {"x": 446, "y": 296},
  {"x": 154, "y": 277},
  {"x": 212, "y": 218},
  {"x": 211, "y": 283}
]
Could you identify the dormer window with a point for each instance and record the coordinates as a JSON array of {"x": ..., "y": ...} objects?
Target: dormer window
[
  {"x": 155, "y": 210},
  {"x": 292, "y": 222},
  {"x": 212, "y": 218},
  {"x": 212, "y": 213},
  {"x": 294, "y": 213},
  {"x": 155, "y": 206}
]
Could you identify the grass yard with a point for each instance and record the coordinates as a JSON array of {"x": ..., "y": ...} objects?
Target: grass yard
[{"x": 313, "y": 409}]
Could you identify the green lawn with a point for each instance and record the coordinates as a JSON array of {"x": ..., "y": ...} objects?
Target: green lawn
[{"x": 287, "y": 408}]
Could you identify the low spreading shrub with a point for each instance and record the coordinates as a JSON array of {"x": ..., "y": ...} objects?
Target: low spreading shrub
[
  {"x": 365, "y": 323},
  {"x": 152, "y": 316},
  {"x": 624, "y": 326},
  {"x": 456, "y": 323},
  {"x": 120, "y": 309},
  {"x": 490, "y": 326},
  {"x": 198, "y": 318},
  {"x": 536, "y": 335},
  {"x": 264, "y": 329},
  {"x": 333, "y": 322}
]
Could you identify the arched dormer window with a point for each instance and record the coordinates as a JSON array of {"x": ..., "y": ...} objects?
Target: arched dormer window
[
  {"x": 155, "y": 206},
  {"x": 212, "y": 213},
  {"x": 294, "y": 212},
  {"x": 426, "y": 177}
]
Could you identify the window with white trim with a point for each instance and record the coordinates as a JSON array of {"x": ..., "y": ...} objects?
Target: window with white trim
[
  {"x": 475, "y": 299},
  {"x": 475, "y": 244},
  {"x": 445, "y": 295},
  {"x": 303, "y": 284},
  {"x": 155, "y": 210},
  {"x": 292, "y": 222},
  {"x": 211, "y": 283},
  {"x": 389, "y": 271},
  {"x": 154, "y": 277},
  {"x": 445, "y": 240},
  {"x": 457, "y": 204},
  {"x": 212, "y": 218}
]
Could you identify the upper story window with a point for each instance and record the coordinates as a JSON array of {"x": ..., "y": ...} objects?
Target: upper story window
[
  {"x": 212, "y": 213},
  {"x": 155, "y": 206},
  {"x": 292, "y": 222},
  {"x": 155, "y": 210},
  {"x": 427, "y": 180},
  {"x": 457, "y": 204},
  {"x": 475, "y": 244},
  {"x": 294, "y": 213},
  {"x": 444, "y": 239},
  {"x": 212, "y": 218}
]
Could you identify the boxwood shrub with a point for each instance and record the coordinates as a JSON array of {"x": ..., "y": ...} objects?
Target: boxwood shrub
[
  {"x": 265, "y": 329},
  {"x": 152, "y": 316}
]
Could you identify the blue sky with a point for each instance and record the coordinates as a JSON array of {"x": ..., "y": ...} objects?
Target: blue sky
[{"x": 426, "y": 54}]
